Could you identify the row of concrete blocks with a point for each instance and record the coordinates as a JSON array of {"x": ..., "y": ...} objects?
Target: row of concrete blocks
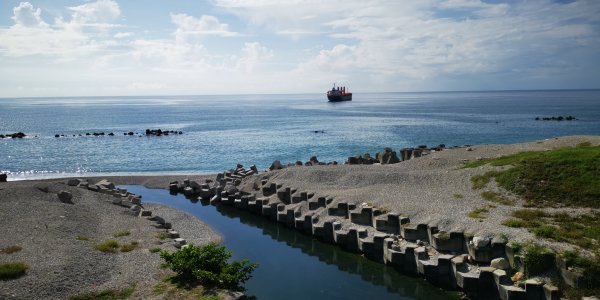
[
  {"x": 377, "y": 246},
  {"x": 451, "y": 271}
]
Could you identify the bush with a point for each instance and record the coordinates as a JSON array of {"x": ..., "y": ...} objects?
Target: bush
[
  {"x": 209, "y": 266},
  {"x": 129, "y": 247},
  {"x": 12, "y": 270}
]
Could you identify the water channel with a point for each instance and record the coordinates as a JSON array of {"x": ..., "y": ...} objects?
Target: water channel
[{"x": 293, "y": 265}]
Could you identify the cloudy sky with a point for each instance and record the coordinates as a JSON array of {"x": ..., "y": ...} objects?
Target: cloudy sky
[{"x": 179, "y": 47}]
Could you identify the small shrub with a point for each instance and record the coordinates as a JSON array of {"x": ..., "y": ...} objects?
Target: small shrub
[
  {"x": 11, "y": 249},
  {"x": 82, "y": 238},
  {"x": 121, "y": 233},
  {"x": 108, "y": 246},
  {"x": 458, "y": 196},
  {"x": 129, "y": 247},
  {"x": 12, "y": 270},
  {"x": 155, "y": 250},
  {"x": 209, "y": 265},
  {"x": 537, "y": 259}
]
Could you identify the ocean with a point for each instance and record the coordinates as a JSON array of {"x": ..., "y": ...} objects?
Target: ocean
[{"x": 222, "y": 131}]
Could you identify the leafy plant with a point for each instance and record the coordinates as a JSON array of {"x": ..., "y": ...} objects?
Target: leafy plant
[
  {"x": 12, "y": 270},
  {"x": 209, "y": 265}
]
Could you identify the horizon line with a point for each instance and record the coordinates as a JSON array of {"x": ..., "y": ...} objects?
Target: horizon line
[{"x": 272, "y": 94}]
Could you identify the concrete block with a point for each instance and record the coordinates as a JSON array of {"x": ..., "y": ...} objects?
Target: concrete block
[{"x": 534, "y": 289}]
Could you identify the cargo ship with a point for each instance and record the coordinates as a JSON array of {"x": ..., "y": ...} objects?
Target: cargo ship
[{"x": 338, "y": 94}]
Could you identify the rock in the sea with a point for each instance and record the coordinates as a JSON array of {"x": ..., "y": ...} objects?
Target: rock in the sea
[
  {"x": 500, "y": 263},
  {"x": 65, "y": 197},
  {"x": 3, "y": 177}
]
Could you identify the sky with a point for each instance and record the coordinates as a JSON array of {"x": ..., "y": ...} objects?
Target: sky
[{"x": 185, "y": 47}]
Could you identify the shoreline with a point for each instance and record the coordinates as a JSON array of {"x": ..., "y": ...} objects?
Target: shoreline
[{"x": 422, "y": 189}]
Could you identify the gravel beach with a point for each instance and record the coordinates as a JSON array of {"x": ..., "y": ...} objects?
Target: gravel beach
[{"x": 58, "y": 239}]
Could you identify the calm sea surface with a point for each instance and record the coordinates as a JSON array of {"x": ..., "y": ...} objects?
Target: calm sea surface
[{"x": 221, "y": 131}]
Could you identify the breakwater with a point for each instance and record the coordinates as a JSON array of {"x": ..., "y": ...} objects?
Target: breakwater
[{"x": 483, "y": 267}]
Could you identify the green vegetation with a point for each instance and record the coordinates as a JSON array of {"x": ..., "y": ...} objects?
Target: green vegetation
[
  {"x": 121, "y": 233},
  {"x": 154, "y": 250},
  {"x": 479, "y": 213},
  {"x": 208, "y": 266},
  {"x": 161, "y": 235},
  {"x": 109, "y": 246},
  {"x": 129, "y": 247},
  {"x": 582, "y": 230},
  {"x": 106, "y": 294},
  {"x": 82, "y": 238},
  {"x": 12, "y": 270},
  {"x": 556, "y": 178},
  {"x": 480, "y": 181},
  {"x": 537, "y": 259},
  {"x": 496, "y": 198},
  {"x": 10, "y": 249},
  {"x": 458, "y": 196},
  {"x": 590, "y": 268}
]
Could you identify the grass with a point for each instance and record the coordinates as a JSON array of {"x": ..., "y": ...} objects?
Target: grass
[
  {"x": 12, "y": 270},
  {"x": 582, "y": 230},
  {"x": 496, "y": 198},
  {"x": 110, "y": 246},
  {"x": 129, "y": 247},
  {"x": 170, "y": 288},
  {"x": 479, "y": 213},
  {"x": 458, "y": 196},
  {"x": 121, "y": 233},
  {"x": 557, "y": 178},
  {"x": 82, "y": 238},
  {"x": 155, "y": 250},
  {"x": 161, "y": 235},
  {"x": 10, "y": 249},
  {"x": 106, "y": 294}
]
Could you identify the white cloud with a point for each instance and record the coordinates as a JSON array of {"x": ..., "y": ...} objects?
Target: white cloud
[
  {"x": 99, "y": 12},
  {"x": 190, "y": 26},
  {"x": 26, "y": 15}
]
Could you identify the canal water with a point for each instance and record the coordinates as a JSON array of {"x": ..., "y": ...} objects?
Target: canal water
[{"x": 293, "y": 265}]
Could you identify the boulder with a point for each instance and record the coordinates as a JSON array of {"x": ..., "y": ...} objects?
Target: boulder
[
  {"x": 3, "y": 177},
  {"x": 65, "y": 197},
  {"x": 500, "y": 263},
  {"x": 276, "y": 165},
  {"x": 105, "y": 183},
  {"x": 73, "y": 182}
]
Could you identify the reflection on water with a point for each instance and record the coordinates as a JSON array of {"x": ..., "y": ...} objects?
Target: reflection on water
[{"x": 293, "y": 265}]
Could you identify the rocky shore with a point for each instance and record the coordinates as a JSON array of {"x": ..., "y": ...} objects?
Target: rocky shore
[{"x": 412, "y": 215}]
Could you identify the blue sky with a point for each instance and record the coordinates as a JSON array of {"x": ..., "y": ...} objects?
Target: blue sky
[{"x": 177, "y": 47}]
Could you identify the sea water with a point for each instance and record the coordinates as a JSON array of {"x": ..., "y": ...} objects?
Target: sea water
[{"x": 222, "y": 131}]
